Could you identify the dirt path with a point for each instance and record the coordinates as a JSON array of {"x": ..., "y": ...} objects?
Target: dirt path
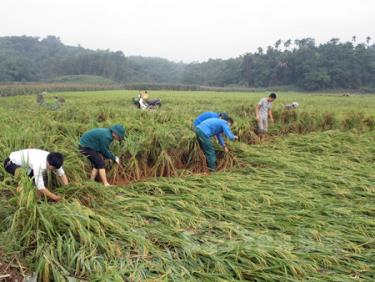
[{"x": 9, "y": 272}]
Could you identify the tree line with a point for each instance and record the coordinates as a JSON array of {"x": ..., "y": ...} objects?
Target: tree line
[{"x": 300, "y": 63}]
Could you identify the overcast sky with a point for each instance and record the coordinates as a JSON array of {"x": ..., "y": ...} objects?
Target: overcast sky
[{"x": 187, "y": 30}]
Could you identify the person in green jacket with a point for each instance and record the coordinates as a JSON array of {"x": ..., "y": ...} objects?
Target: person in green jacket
[{"x": 94, "y": 145}]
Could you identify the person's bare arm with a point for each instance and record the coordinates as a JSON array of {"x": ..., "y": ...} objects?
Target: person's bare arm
[
  {"x": 270, "y": 115},
  {"x": 64, "y": 179},
  {"x": 49, "y": 194}
]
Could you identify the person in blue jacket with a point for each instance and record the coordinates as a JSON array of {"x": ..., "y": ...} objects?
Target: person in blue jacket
[
  {"x": 94, "y": 145},
  {"x": 207, "y": 115},
  {"x": 213, "y": 127}
]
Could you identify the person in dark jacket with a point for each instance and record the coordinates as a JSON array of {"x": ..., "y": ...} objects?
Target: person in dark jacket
[
  {"x": 209, "y": 128},
  {"x": 94, "y": 145}
]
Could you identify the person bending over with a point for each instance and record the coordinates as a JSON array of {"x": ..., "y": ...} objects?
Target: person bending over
[
  {"x": 209, "y": 128},
  {"x": 38, "y": 162},
  {"x": 207, "y": 115},
  {"x": 95, "y": 143}
]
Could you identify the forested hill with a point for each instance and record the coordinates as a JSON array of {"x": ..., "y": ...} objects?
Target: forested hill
[{"x": 301, "y": 63}]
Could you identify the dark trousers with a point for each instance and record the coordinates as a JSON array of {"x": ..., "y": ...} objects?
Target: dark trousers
[
  {"x": 94, "y": 157},
  {"x": 10, "y": 167}
]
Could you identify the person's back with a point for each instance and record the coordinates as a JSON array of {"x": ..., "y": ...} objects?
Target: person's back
[
  {"x": 93, "y": 138},
  {"x": 205, "y": 116},
  {"x": 215, "y": 126},
  {"x": 30, "y": 158}
]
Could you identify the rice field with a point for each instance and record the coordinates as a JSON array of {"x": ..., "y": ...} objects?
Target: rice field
[{"x": 299, "y": 207}]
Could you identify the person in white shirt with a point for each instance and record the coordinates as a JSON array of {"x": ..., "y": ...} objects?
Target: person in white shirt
[
  {"x": 143, "y": 100},
  {"x": 263, "y": 110},
  {"x": 37, "y": 162}
]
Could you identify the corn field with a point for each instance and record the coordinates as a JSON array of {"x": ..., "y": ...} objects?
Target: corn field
[{"x": 298, "y": 207}]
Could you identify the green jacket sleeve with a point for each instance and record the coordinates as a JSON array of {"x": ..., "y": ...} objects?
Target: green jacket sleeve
[{"x": 104, "y": 149}]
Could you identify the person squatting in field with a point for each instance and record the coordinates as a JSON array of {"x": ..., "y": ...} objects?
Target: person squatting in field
[
  {"x": 94, "y": 145},
  {"x": 207, "y": 115},
  {"x": 292, "y": 106},
  {"x": 144, "y": 103},
  {"x": 143, "y": 100},
  {"x": 209, "y": 128},
  {"x": 263, "y": 110},
  {"x": 38, "y": 162}
]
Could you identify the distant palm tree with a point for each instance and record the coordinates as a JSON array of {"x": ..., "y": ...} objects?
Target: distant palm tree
[
  {"x": 368, "y": 39},
  {"x": 277, "y": 44},
  {"x": 287, "y": 43}
]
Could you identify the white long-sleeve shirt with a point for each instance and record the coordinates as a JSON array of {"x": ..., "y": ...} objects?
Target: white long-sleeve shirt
[{"x": 35, "y": 160}]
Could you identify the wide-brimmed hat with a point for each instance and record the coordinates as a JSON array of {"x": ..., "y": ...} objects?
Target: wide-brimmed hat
[{"x": 119, "y": 130}]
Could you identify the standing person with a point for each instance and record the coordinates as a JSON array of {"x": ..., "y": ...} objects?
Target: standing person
[
  {"x": 263, "y": 110},
  {"x": 209, "y": 128},
  {"x": 38, "y": 162},
  {"x": 207, "y": 115},
  {"x": 94, "y": 145}
]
